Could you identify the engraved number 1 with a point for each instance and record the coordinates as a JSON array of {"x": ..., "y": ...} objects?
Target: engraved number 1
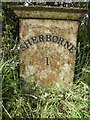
[{"x": 46, "y": 61}]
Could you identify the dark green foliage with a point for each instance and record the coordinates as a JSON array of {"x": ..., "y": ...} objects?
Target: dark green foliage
[
  {"x": 82, "y": 68},
  {"x": 9, "y": 31}
]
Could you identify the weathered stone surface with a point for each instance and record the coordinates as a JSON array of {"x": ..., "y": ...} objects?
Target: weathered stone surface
[
  {"x": 47, "y": 46},
  {"x": 49, "y": 12},
  {"x": 60, "y": 60}
]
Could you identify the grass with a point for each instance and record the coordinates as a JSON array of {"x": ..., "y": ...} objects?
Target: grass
[
  {"x": 38, "y": 102},
  {"x": 22, "y": 99}
]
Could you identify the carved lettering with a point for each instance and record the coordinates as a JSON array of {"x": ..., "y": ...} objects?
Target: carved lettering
[
  {"x": 72, "y": 49},
  {"x": 34, "y": 40},
  {"x": 22, "y": 47},
  {"x": 47, "y": 63},
  {"x": 41, "y": 38},
  {"x": 61, "y": 41},
  {"x": 55, "y": 38},
  {"x": 67, "y": 45},
  {"x": 48, "y": 38},
  {"x": 27, "y": 43}
]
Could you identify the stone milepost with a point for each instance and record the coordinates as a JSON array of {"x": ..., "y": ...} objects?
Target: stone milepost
[{"x": 48, "y": 37}]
